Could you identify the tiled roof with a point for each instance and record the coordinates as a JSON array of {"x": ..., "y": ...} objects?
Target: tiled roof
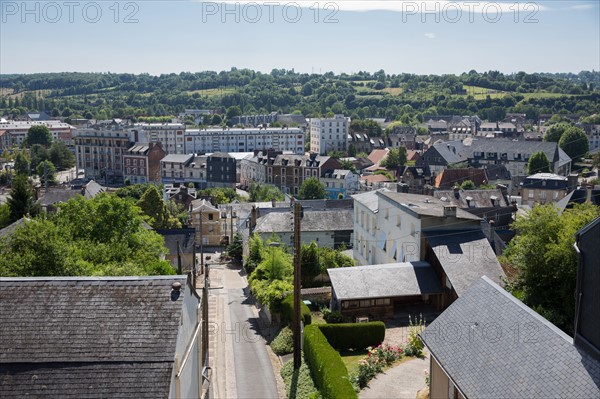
[
  {"x": 450, "y": 177},
  {"x": 493, "y": 346},
  {"x": 465, "y": 256},
  {"x": 388, "y": 280},
  {"x": 86, "y": 336},
  {"x": 377, "y": 155}
]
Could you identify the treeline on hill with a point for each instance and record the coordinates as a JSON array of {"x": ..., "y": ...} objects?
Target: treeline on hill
[{"x": 243, "y": 91}]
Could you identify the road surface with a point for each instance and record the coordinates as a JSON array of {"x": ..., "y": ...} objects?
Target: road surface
[{"x": 241, "y": 364}]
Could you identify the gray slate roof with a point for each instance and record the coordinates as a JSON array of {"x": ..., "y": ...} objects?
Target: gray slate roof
[
  {"x": 472, "y": 198},
  {"x": 369, "y": 199},
  {"x": 55, "y": 196},
  {"x": 279, "y": 222},
  {"x": 85, "y": 336},
  {"x": 493, "y": 346},
  {"x": 423, "y": 205},
  {"x": 465, "y": 256},
  {"x": 382, "y": 281}
]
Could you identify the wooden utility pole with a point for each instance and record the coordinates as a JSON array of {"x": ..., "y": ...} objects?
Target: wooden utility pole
[
  {"x": 179, "y": 259},
  {"x": 201, "y": 245},
  {"x": 231, "y": 232},
  {"x": 297, "y": 258}
]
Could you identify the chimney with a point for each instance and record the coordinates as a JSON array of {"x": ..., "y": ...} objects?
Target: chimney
[
  {"x": 456, "y": 192},
  {"x": 449, "y": 210},
  {"x": 273, "y": 203}
]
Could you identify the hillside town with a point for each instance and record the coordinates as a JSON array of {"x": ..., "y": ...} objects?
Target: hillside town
[{"x": 389, "y": 242}]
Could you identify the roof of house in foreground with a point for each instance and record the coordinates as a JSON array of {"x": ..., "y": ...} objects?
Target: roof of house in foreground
[
  {"x": 82, "y": 336},
  {"x": 493, "y": 346},
  {"x": 382, "y": 281}
]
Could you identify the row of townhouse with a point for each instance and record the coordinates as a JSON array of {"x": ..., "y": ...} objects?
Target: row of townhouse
[
  {"x": 215, "y": 170},
  {"x": 13, "y": 133},
  {"x": 117, "y": 153},
  {"x": 288, "y": 172}
]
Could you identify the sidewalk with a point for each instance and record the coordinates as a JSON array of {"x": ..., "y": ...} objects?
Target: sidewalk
[{"x": 400, "y": 382}]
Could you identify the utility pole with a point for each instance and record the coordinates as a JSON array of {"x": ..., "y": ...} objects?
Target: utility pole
[
  {"x": 297, "y": 258},
  {"x": 201, "y": 245},
  {"x": 179, "y": 259},
  {"x": 231, "y": 233}
]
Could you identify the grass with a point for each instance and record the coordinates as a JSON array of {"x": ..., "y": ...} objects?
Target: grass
[
  {"x": 298, "y": 383},
  {"x": 219, "y": 91},
  {"x": 317, "y": 318},
  {"x": 9, "y": 93},
  {"x": 351, "y": 358}
]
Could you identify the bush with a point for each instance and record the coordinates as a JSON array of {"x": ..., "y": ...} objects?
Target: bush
[
  {"x": 414, "y": 346},
  {"x": 327, "y": 368},
  {"x": 283, "y": 342},
  {"x": 298, "y": 383},
  {"x": 382, "y": 356},
  {"x": 332, "y": 317},
  {"x": 346, "y": 336},
  {"x": 287, "y": 311}
]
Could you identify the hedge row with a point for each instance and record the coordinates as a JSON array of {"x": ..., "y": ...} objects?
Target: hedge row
[
  {"x": 344, "y": 336},
  {"x": 326, "y": 366},
  {"x": 287, "y": 311}
]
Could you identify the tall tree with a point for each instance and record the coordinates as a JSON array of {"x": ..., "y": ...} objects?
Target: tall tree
[
  {"x": 21, "y": 200},
  {"x": 312, "y": 188},
  {"x": 538, "y": 163},
  {"x": 61, "y": 156},
  {"x": 47, "y": 172},
  {"x": 309, "y": 263},
  {"x": 153, "y": 205},
  {"x": 546, "y": 262},
  {"x": 574, "y": 142},
  {"x": 396, "y": 157},
  {"x": 555, "y": 132},
  {"x": 38, "y": 134},
  {"x": 22, "y": 163}
]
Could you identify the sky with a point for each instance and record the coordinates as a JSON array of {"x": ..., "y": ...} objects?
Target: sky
[{"x": 422, "y": 37}]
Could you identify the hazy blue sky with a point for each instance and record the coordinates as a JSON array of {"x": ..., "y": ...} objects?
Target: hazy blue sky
[{"x": 341, "y": 36}]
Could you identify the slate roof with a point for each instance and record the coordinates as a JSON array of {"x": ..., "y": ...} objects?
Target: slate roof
[
  {"x": 493, "y": 346},
  {"x": 423, "y": 205},
  {"x": 54, "y": 196},
  {"x": 8, "y": 230},
  {"x": 88, "y": 336},
  {"x": 278, "y": 222},
  {"x": 387, "y": 280},
  {"x": 92, "y": 189},
  {"x": 512, "y": 147},
  {"x": 184, "y": 236},
  {"x": 369, "y": 199},
  {"x": 178, "y": 158},
  {"x": 472, "y": 198},
  {"x": 465, "y": 256},
  {"x": 451, "y": 151},
  {"x": 547, "y": 181},
  {"x": 578, "y": 196}
]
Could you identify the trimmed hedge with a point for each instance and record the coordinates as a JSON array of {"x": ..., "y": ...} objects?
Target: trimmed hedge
[
  {"x": 287, "y": 311},
  {"x": 344, "y": 336},
  {"x": 326, "y": 366}
]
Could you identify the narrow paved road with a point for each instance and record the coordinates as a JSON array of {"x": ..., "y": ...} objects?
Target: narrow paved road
[{"x": 242, "y": 368}]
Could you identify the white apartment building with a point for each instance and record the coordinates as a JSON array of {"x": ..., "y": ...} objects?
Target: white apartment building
[
  {"x": 329, "y": 134},
  {"x": 388, "y": 225},
  {"x": 243, "y": 140},
  {"x": 169, "y": 135},
  {"x": 14, "y": 132}
]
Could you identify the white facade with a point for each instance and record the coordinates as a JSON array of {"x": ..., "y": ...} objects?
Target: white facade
[
  {"x": 169, "y": 135},
  {"x": 329, "y": 134},
  {"x": 16, "y": 131},
  {"x": 244, "y": 140}
]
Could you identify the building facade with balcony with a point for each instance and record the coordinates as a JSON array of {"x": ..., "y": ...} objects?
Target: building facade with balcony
[{"x": 100, "y": 153}]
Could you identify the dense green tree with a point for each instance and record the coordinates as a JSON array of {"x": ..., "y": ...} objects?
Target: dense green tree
[
  {"x": 555, "y": 132},
  {"x": 4, "y": 215},
  {"x": 38, "y": 153},
  {"x": 538, "y": 163},
  {"x": 348, "y": 165},
  {"x": 574, "y": 142},
  {"x": 61, "y": 156},
  {"x": 545, "y": 261},
  {"x": 468, "y": 185},
  {"x": 596, "y": 160},
  {"x": 233, "y": 111},
  {"x": 309, "y": 263},
  {"x": 263, "y": 192},
  {"x": 312, "y": 188},
  {"x": 134, "y": 191},
  {"x": 153, "y": 205},
  {"x": 21, "y": 200},
  {"x": 395, "y": 158},
  {"x": 236, "y": 247},
  {"x": 220, "y": 195},
  {"x": 47, "y": 172},
  {"x": 216, "y": 119},
  {"x": 38, "y": 134},
  {"x": 22, "y": 163}
]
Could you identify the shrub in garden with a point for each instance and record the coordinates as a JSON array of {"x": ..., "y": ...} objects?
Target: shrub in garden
[
  {"x": 283, "y": 342},
  {"x": 414, "y": 346},
  {"x": 287, "y": 311},
  {"x": 327, "y": 368},
  {"x": 332, "y": 316},
  {"x": 346, "y": 336},
  {"x": 298, "y": 383}
]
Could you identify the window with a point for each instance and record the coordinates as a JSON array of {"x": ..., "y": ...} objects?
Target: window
[
  {"x": 365, "y": 303},
  {"x": 530, "y": 193},
  {"x": 382, "y": 301},
  {"x": 210, "y": 216},
  {"x": 398, "y": 220}
]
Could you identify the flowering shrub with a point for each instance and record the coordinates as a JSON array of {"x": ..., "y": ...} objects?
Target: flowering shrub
[
  {"x": 426, "y": 372},
  {"x": 414, "y": 346},
  {"x": 377, "y": 358}
]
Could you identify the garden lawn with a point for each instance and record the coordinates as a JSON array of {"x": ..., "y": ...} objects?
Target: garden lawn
[{"x": 352, "y": 358}]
